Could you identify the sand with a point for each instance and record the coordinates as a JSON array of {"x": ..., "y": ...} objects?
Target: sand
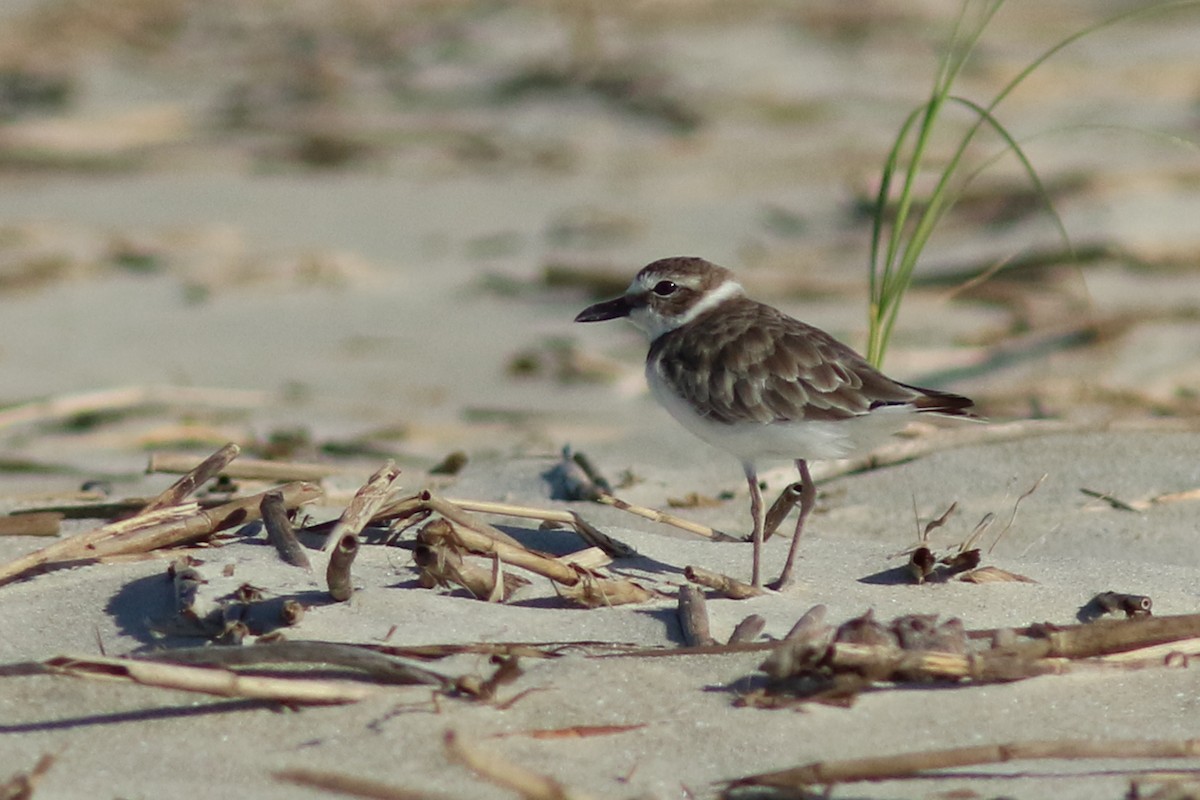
[{"x": 386, "y": 301}]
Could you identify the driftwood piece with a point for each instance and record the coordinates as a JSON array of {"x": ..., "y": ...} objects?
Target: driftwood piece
[
  {"x": 169, "y": 527},
  {"x": 367, "y": 500},
  {"x": 280, "y": 532},
  {"x": 194, "y": 478}
]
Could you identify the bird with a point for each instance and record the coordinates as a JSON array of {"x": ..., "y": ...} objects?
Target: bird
[{"x": 759, "y": 384}]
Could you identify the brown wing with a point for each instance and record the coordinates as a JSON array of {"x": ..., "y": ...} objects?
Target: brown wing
[{"x": 749, "y": 362}]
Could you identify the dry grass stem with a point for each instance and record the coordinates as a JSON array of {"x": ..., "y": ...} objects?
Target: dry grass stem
[
  {"x": 382, "y": 667},
  {"x": 654, "y": 515},
  {"x": 462, "y": 518},
  {"x": 36, "y": 523},
  {"x": 693, "y": 617},
  {"x": 367, "y": 500},
  {"x": 194, "y": 478},
  {"x": 66, "y": 406},
  {"x": 169, "y": 527},
  {"x": 256, "y": 469},
  {"x": 727, "y": 586},
  {"x": 352, "y": 785},
  {"x": 515, "y": 554},
  {"x": 589, "y": 532},
  {"x": 491, "y": 767},
  {"x": 904, "y": 765},
  {"x": 280, "y": 532},
  {"x": 337, "y": 573},
  {"x": 206, "y": 680}
]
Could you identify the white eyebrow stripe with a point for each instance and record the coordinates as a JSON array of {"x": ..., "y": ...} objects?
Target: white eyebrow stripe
[{"x": 726, "y": 290}]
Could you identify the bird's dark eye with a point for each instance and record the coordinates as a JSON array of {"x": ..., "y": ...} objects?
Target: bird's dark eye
[{"x": 664, "y": 288}]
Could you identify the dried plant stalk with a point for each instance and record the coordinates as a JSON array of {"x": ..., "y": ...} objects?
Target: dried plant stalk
[
  {"x": 382, "y": 667},
  {"x": 207, "y": 680},
  {"x": 654, "y": 515},
  {"x": 167, "y": 527},
  {"x": 727, "y": 586},
  {"x": 195, "y": 478},
  {"x": 514, "y": 554},
  {"x": 593, "y": 592},
  {"x": 461, "y": 518},
  {"x": 693, "y": 617},
  {"x": 367, "y": 500},
  {"x": 337, "y": 574},
  {"x": 444, "y": 566},
  {"x": 43, "y": 523},
  {"x": 280, "y": 532},
  {"x": 877, "y": 768},
  {"x": 585, "y": 529}
]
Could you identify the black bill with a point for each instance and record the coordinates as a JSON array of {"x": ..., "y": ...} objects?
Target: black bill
[{"x": 609, "y": 309}]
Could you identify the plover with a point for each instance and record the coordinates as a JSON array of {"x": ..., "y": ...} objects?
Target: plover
[{"x": 752, "y": 381}]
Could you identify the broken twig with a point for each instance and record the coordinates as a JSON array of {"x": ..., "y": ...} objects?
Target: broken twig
[
  {"x": 168, "y": 527},
  {"x": 337, "y": 574},
  {"x": 693, "y": 617},
  {"x": 194, "y": 478},
  {"x": 280, "y": 532}
]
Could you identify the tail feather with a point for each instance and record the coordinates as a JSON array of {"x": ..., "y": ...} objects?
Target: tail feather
[{"x": 932, "y": 401}]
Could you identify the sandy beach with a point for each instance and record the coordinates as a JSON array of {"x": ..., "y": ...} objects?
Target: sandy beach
[{"x": 347, "y": 238}]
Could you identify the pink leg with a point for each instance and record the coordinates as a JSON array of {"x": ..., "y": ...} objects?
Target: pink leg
[
  {"x": 808, "y": 497},
  {"x": 756, "y": 511}
]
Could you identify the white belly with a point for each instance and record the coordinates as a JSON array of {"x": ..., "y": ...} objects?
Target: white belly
[{"x": 812, "y": 440}]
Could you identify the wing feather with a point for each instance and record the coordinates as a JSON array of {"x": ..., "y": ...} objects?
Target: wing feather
[{"x": 749, "y": 362}]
